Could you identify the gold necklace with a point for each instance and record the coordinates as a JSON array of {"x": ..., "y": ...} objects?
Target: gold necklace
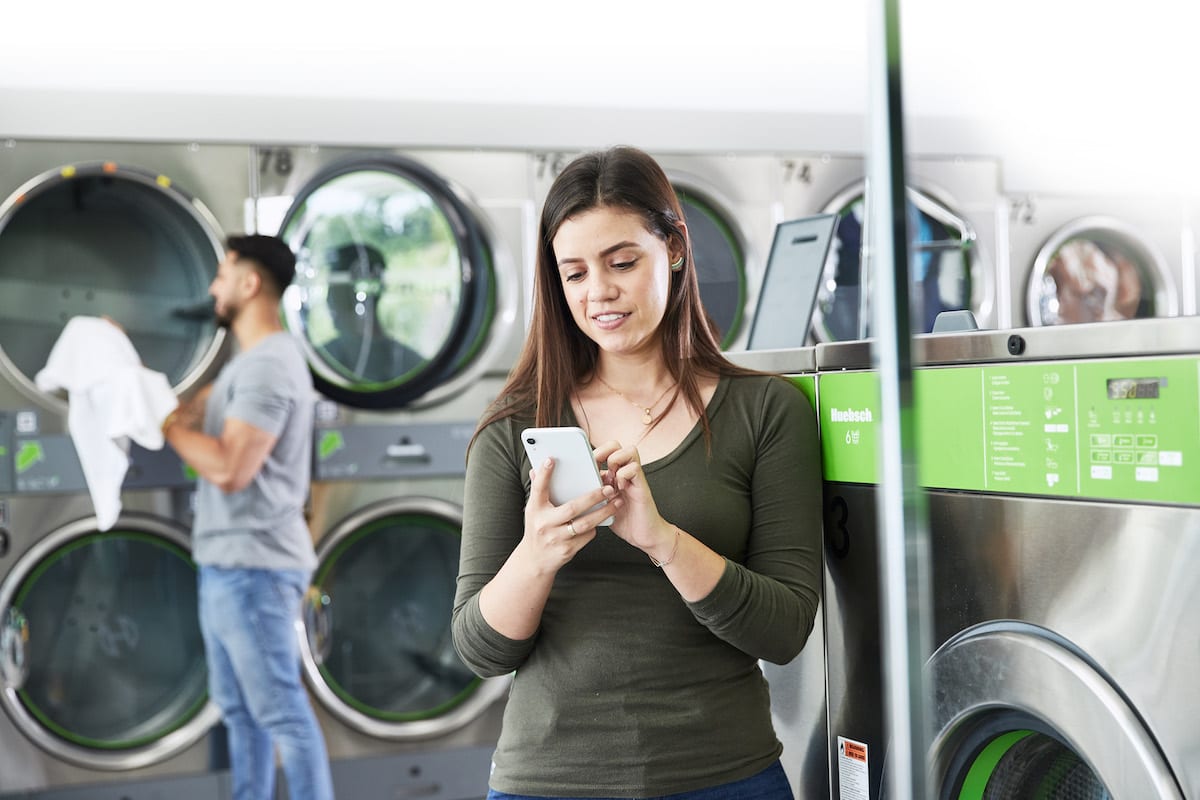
[{"x": 647, "y": 415}]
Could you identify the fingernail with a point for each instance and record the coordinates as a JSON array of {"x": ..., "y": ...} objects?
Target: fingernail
[{"x": 548, "y": 462}]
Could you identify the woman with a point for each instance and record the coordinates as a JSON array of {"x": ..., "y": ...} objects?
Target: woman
[{"x": 636, "y": 646}]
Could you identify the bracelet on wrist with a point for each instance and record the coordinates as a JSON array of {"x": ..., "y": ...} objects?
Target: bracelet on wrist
[{"x": 674, "y": 550}]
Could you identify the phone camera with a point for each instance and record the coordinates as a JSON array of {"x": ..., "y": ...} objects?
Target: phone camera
[{"x": 531, "y": 440}]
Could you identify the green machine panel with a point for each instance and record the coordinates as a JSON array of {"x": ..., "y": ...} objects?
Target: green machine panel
[
  {"x": 1121, "y": 429},
  {"x": 848, "y": 412},
  {"x": 807, "y": 384}
]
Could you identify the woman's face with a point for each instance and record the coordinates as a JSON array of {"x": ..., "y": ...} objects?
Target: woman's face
[{"x": 616, "y": 277}]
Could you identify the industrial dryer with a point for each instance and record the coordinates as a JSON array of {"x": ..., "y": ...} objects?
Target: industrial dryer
[
  {"x": 411, "y": 300},
  {"x": 410, "y": 284},
  {"x": 108, "y": 684},
  {"x": 1096, "y": 258},
  {"x": 953, "y": 218},
  {"x": 131, "y": 231},
  {"x": 1064, "y": 521}
]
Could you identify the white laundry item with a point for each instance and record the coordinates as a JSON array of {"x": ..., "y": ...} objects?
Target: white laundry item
[{"x": 112, "y": 399}]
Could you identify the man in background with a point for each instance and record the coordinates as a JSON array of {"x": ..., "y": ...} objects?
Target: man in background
[{"x": 249, "y": 437}]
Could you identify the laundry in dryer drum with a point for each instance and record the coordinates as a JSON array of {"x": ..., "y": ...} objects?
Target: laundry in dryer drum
[
  {"x": 112, "y": 399},
  {"x": 201, "y": 309}
]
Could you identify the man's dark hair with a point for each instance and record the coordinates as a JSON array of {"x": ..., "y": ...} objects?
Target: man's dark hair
[{"x": 274, "y": 260}]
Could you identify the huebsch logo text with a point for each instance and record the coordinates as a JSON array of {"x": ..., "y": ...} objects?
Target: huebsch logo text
[{"x": 850, "y": 415}]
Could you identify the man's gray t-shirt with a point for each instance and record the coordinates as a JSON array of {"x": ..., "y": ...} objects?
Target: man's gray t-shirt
[{"x": 263, "y": 526}]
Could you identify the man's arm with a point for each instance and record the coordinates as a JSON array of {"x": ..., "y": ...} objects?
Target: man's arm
[{"x": 229, "y": 461}]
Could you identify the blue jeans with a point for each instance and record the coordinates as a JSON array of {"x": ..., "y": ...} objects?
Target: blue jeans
[
  {"x": 247, "y": 618},
  {"x": 770, "y": 784}
]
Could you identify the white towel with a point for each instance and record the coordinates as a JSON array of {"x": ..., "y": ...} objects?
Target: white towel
[{"x": 112, "y": 399}]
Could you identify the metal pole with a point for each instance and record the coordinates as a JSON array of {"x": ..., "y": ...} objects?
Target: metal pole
[{"x": 904, "y": 562}]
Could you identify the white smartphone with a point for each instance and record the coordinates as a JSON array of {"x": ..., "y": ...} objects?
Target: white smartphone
[{"x": 575, "y": 471}]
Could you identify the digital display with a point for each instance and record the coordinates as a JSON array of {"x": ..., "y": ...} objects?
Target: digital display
[{"x": 1134, "y": 388}]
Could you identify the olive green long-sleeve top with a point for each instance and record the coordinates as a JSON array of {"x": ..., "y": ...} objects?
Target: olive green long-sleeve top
[{"x": 626, "y": 690}]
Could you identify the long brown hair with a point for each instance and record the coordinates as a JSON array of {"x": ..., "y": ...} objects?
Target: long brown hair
[{"x": 557, "y": 354}]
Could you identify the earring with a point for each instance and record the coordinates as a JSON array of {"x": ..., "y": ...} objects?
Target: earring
[{"x": 677, "y": 264}]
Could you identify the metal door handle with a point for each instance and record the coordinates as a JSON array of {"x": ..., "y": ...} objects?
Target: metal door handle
[
  {"x": 14, "y": 668},
  {"x": 407, "y": 452},
  {"x": 317, "y": 623}
]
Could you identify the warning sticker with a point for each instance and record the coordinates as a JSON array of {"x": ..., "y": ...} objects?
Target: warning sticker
[{"x": 853, "y": 773}]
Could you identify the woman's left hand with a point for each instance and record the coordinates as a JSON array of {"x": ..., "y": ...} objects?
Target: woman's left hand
[{"x": 636, "y": 517}]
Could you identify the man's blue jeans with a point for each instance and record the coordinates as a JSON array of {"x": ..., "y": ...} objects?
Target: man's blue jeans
[{"x": 247, "y": 617}]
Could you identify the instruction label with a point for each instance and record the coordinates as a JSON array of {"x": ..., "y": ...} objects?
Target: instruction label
[
  {"x": 1121, "y": 429},
  {"x": 854, "y": 776}
]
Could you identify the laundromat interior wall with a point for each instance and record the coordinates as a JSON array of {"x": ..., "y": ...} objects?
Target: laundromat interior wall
[{"x": 1049, "y": 126}]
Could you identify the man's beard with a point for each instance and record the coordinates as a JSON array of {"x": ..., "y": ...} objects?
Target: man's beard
[{"x": 224, "y": 317}]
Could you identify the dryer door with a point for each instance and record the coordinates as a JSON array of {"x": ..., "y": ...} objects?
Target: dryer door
[
  {"x": 720, "y": 257},
  {"x": 395, "y": 289},
  {"x": 104, "y": 659},
  {"x": 1021, "y": 713},
  {"x": 379, "y": 654},
  {"x": 941, "y": 273},
  {"x": 1098, "y": 269},
  {"x": 107, "y": 239}
]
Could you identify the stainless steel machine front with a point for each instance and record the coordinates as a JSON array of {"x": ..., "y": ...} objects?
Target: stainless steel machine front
[{"x": 1064, "y": 515}]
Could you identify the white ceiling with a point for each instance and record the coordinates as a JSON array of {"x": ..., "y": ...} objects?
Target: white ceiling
[{"x": 1081, "y": 88}]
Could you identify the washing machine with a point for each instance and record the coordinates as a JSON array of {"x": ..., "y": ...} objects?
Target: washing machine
[
  {"x": 955, "y": 220},
  {"x": 105, "y": 684},
  {"x": 1058, "y": 465},
  {"x": 731, "y": 205},
  {"x": 105, "y": 688},
  {"x": 400, "y": 711},
  {"x": 411, "y": 299},
  {"x": 1099, "y": 258}
]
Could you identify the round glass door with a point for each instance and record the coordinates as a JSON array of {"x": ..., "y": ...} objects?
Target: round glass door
[
  {"x": 720, "y": 261},
  {"x": 394, "y": 289},
  {"x": 1022, "y": 712},
  {"x": 1025, "y": 763},
  {"x": 1098, "y": 270},
  {"x": 940, "y": 271},
  {"x": 379, "y": 650},
  {"x": 113, "y": 671},
  {"x": 105, "y": 239}
]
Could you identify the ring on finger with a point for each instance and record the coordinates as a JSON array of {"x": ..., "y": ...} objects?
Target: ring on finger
[{"x": 571, "y": 527}]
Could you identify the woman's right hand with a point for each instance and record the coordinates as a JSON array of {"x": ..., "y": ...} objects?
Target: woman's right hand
[{"x": 554, "y": 534}]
